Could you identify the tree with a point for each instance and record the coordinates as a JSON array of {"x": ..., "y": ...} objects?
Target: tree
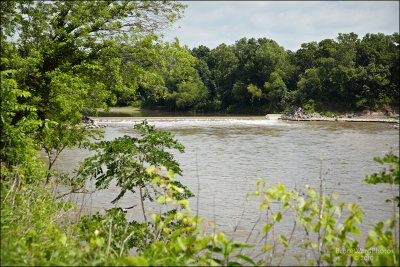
[
  {"x": 377, "y": 52},
  {"x": 277, "y": 92},
  {"x": 373, "y": 87},
  {"x": 190, "y": 94},
  {"x": 254, "y": 91},
  {"x": 224, "y": 65},
  {"x": 348, "y": 73},
  {"x": 269, "y": 57},
  {"x": 18, "y": 123},
  {"x": 240, "y": 92},
  {"x": 134, "y": 162},
  {"x": 306, "y": 56},
  {"x": 258, "y": 59},
  {"x": 70, "y": 57},
  {"x": 182, "y": 86},
  {"x": 245, "y": 50},
  {"x": 309, "y": 85},
  {"x": 203, "y": 56},
  {"x": 78, "y": 44}
]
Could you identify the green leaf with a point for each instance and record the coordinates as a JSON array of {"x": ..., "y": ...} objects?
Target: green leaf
[
  {"x": 214, "y": 248},
  {"x": 234, "y": 263},
  {"x": 171, "y": 174},
  {"x": 266, "y": 248},
  {"x": 277, "y": 216},
  {"x": 264, "y": 205},
  {"x": 181, "y": 243},
  {"x": 246, "y": 259},
  {"x": 155, "y": 180},
  {"x": 240, "y": 245},
  {"x": 266, "y": 227},
  {"x": 184, "y": 203},
  {"x": 63, "y": 239},
  {"x": 162, "y": 199},
  {"x": 178, "y": 189},
  {"x": 284, "y": 241},
  {"x": 135, "y": 261},
  {"x": 151, "y": 170}
]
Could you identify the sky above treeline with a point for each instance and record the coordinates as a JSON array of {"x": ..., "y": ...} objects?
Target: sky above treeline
[{"x": 290, "y": 23}]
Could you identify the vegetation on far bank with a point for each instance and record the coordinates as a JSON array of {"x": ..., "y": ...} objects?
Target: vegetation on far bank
[
  {"x": 258, "y": 76},
  {"x": 118, "y": 112}
]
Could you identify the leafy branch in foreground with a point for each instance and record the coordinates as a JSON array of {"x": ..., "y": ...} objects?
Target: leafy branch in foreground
[
  {"x": 131, "y": 162},
  {"x": 388, "y": 176},
  {"x": 317, "y": 215},
  {"x": 174, "y": 238},
  {"x": 332, "y": 233}
]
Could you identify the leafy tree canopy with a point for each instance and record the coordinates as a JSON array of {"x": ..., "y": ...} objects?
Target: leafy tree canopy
[
  {"x": 72, "y": 55},
  {"x": 63, "y": 59}
]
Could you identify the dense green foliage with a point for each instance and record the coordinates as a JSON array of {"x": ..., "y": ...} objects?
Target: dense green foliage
[
  {"x": 37, "y": 230},
  {"x": 61, "y": 60},
  {"x": 259, "y": 76},
  {"x": 389, "y": 175},
  {"x": 133, "y": 163},
  {"x": 67, "y": 58},
  {"x": 330, "y": 231}
]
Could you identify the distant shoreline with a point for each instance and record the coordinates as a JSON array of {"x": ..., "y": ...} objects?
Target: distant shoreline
[
  {"x": 118, "y": 114},
  {"x": 347, "y": 120},
  {"x": 364, "y": 118},
  {"x": 271, "y": 117},
  {"x": 176, "y": 118}
]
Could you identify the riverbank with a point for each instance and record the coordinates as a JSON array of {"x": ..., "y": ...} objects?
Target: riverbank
[
  {"x": 298, "y": 114},
  {"x": 143, "y": 112},
  {"x": 171, "y": 118},
  {"x": 272, "y": 117},
  {"x": 133, "y": 114},
  {"x": 353, "y": 119}
]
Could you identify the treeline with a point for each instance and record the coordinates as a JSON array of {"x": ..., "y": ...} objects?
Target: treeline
[{"x": 260, "y": 76}]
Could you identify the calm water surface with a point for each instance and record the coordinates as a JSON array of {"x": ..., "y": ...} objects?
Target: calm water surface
[{"x": 225, "y": 156}]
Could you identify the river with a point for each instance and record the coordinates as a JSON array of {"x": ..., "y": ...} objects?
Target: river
[{"x": 225, "y": 156}]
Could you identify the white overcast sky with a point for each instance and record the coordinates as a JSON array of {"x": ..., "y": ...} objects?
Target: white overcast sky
[{"x": 290, "y": 23}]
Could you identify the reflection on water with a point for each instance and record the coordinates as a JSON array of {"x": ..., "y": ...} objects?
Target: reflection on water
[{"x": 226, "y": 157}]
